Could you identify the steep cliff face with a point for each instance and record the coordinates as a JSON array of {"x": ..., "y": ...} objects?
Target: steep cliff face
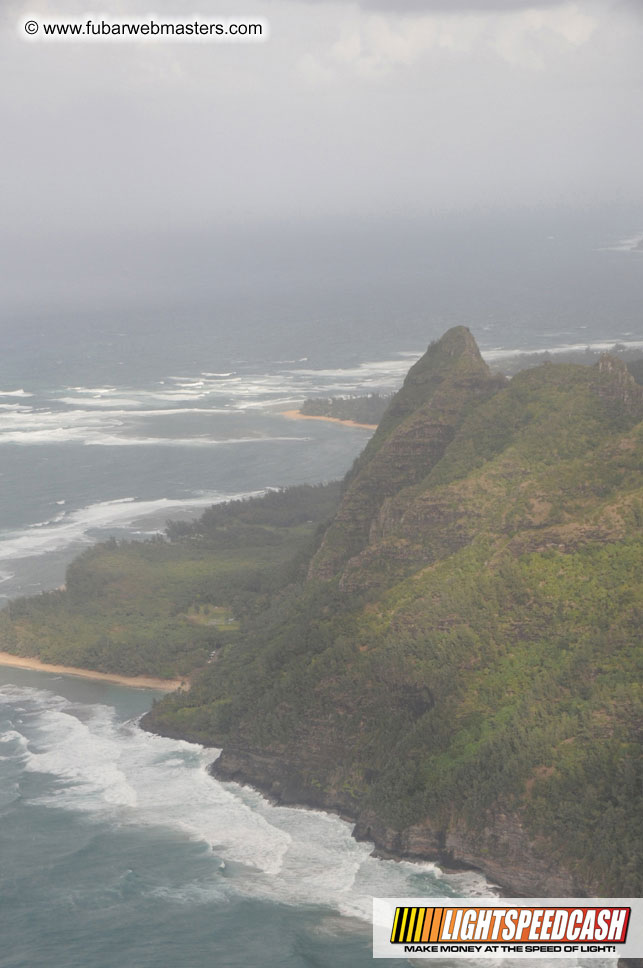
[
  {"x": 503, "y": 849},
  {"x": 419, "y": 424},
  {"x": 459, "y": 671}
]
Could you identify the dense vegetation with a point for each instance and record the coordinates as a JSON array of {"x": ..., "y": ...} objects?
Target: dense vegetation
[
  {"x": 259, "y": 521},
  {"x": 141, "y": 607},
  {"x": 366, "y": 409},
  {"x": 459, "y": 644}
]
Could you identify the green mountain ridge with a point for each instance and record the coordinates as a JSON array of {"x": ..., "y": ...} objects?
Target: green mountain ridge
[
  {"x": 446, "y": 651},
  {"x": 418, "y": 425},
  {"x": 459, "y": 672}
]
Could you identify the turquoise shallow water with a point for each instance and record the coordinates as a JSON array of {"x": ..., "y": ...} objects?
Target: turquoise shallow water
[{"x": 119, "y": 849}]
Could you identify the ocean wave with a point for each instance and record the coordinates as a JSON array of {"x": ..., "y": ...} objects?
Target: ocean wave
[
  {"x": 107, "y": 402},
  {"x": 111, "y": 770},
  {"x": 73, "y": 527},
  {"x": 15, "y": 738},
  {"x": 84, "y": 759},
  {"x": 99, "y": 439},
  {"x": 112, "y": 416},
  {"x": 52, "y": 420},
  {"x": 95, "y": 390},
  {"x": 251, "y": 388},
  {"x": 108, "y": 429},
  {"x": 232, "y": 391}
]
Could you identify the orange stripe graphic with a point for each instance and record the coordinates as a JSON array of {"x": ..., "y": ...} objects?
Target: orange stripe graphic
[{"x": 436, "y": 930}]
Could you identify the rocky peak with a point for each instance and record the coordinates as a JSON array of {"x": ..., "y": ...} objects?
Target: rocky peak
[
  {"x": 456, "y": 352},
  {"x": 420, "y": 422}
]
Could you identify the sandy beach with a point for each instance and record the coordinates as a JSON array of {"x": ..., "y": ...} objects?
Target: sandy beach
[
  {"x": 298, "y": 415},
  {"x": 140, "y": 682}
]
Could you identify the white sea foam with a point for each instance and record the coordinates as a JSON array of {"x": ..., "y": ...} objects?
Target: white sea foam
[
  {"x": 629, "y": 244},
  {"x": 78, "y": 435},
  {"x": 49, "y": 425},
  {"x": 118, "y": 772},
  {"x": 241, "y": 391},
  {"x": 597, "y": 346},
  {"x": 15, "y": 393},
  {"x": 233, "y": 391},
  {"x": 106, "y": 415},
  {"x": 85, "y": 760},
  {"x": 112, "y": 441},
  {"x": 112, "y": 428},
  {"x": 107, "y": 402},
  {"x": 94, "y": 390},
  {"x": 15, "y": 738},
  {"x": 71, "y": 527}
]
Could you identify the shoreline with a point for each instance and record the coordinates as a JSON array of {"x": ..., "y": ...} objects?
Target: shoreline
[
  {"x": 512, "y": 867},
  {"x": 513, "y": 870},
  {"x": 136, "y": 682},
  {"x": 270, "y": 787},
  {"x": 298, "y": 415}
]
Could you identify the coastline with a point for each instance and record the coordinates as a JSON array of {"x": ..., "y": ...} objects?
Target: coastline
[
  {"x": 298, "y": 415},
  {"x": 504, "y": 854},
  {"x": 136, "y": 682}
]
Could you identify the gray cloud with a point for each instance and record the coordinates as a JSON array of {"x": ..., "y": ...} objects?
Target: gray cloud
[
  {"x": 107, "y": 146},
  {"x": 454, "y": 6}
]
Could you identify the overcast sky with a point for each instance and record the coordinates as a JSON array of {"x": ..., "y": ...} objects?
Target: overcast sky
[{"x": 370, "y": 107}]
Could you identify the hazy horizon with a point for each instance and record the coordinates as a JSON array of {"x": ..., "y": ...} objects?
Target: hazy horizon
[{"x": 143, "y": 172}]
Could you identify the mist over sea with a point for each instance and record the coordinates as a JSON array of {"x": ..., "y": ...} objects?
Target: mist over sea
[
  {"x": 118, "y": 849},
  {"x": 124, "y": 404}
]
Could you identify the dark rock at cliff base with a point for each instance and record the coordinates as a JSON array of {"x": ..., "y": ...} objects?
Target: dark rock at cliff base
[{"x": 502, "y": 852}]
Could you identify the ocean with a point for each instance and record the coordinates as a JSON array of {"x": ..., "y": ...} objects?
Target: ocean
[{"x": 118, "y": 848}]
